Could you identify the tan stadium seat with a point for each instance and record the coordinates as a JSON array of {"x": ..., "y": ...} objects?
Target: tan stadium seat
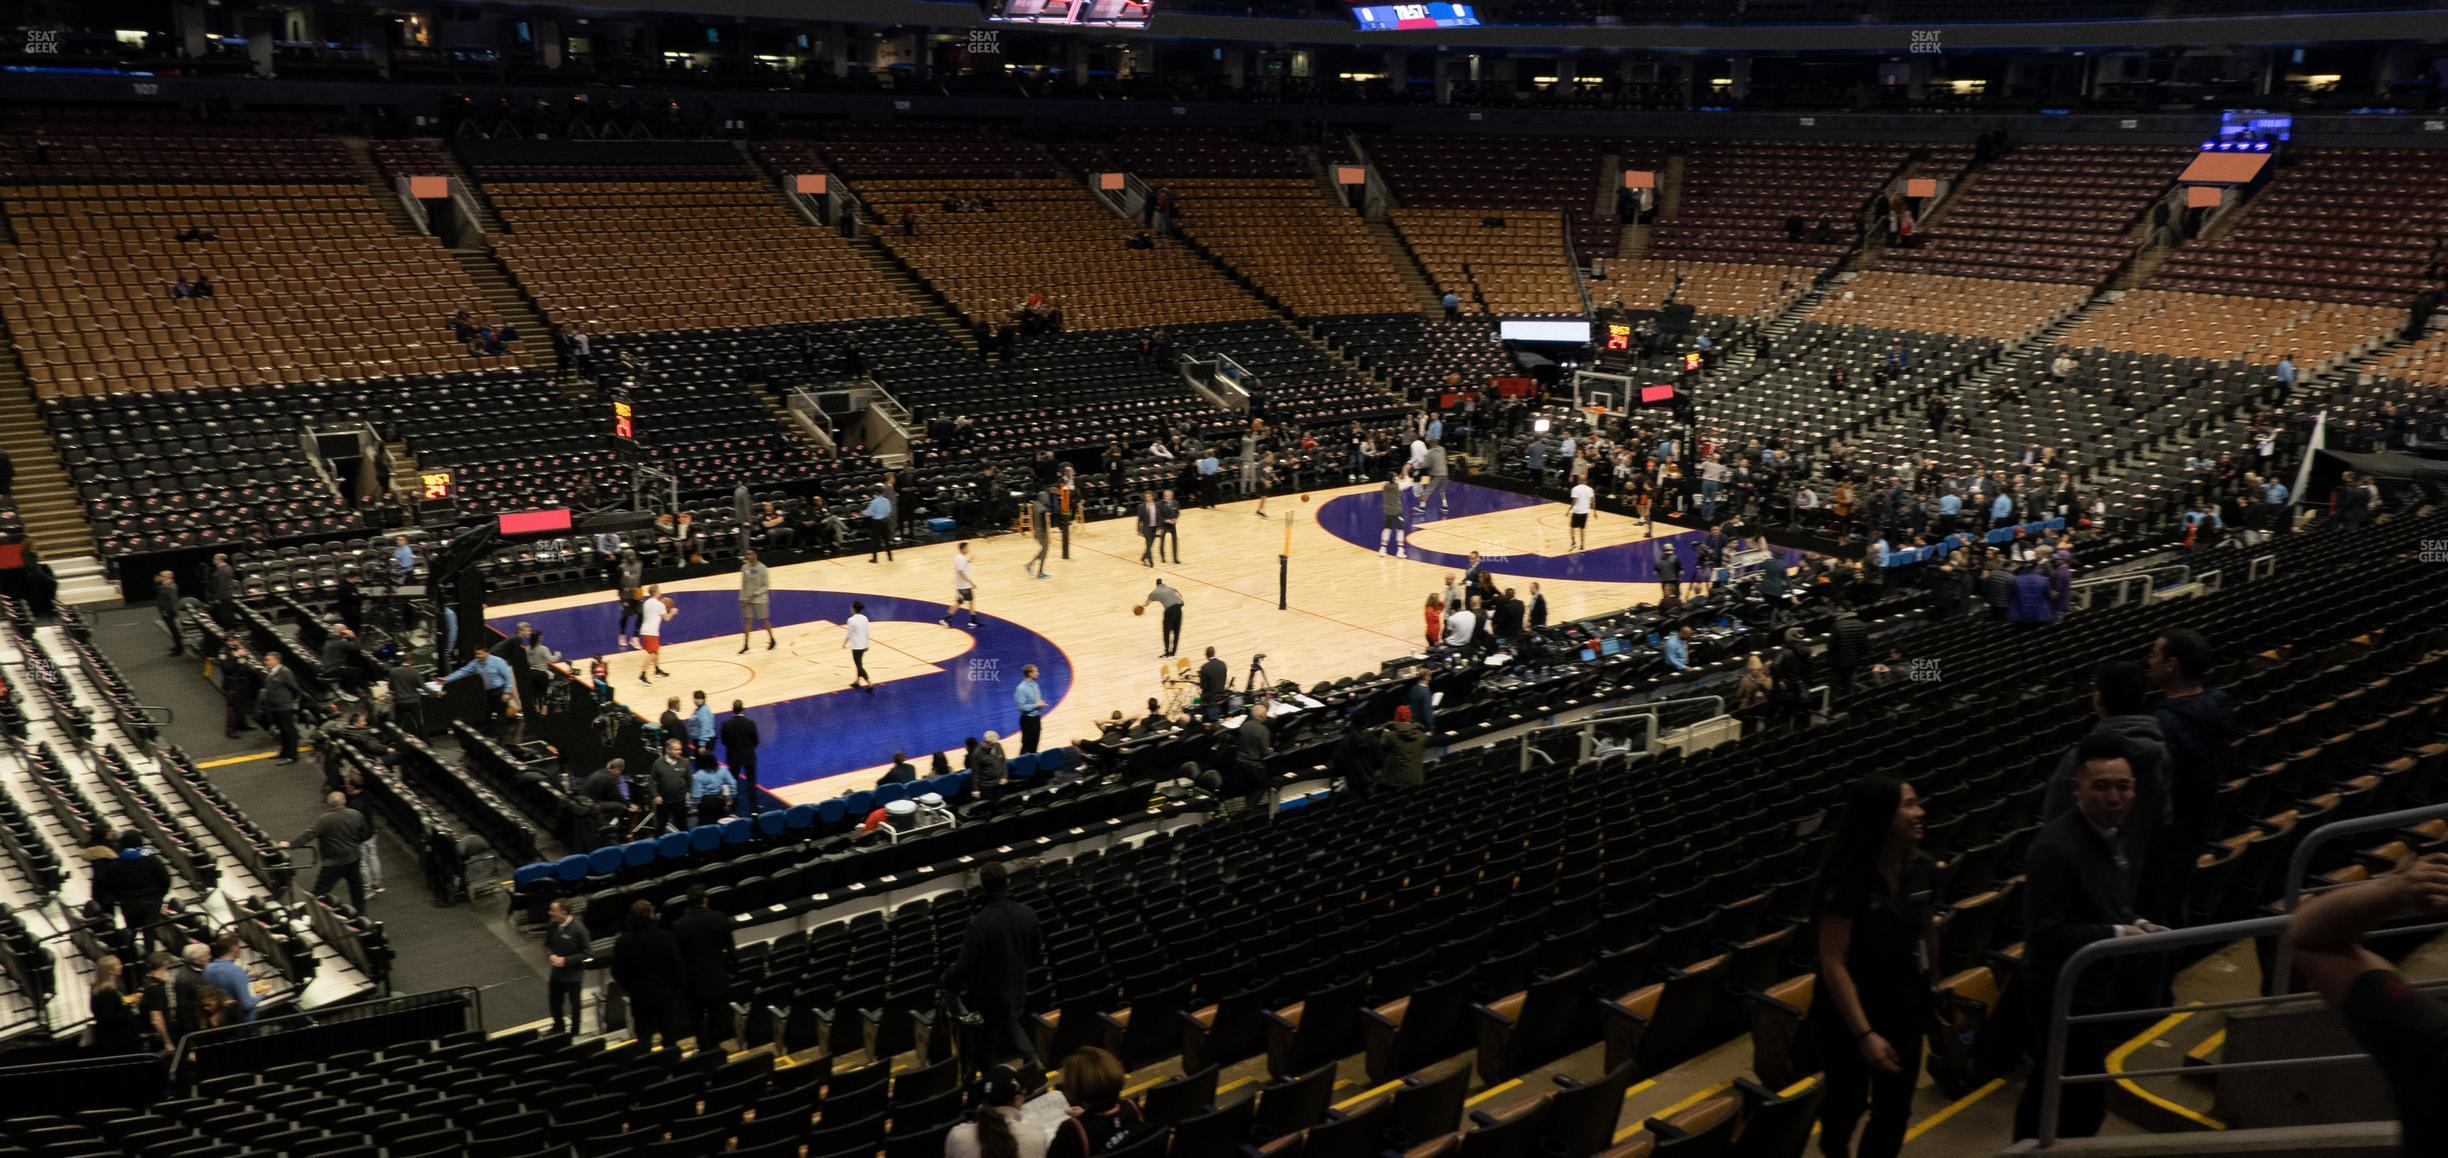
[
  {"x": 2222, "y": 327},
  {"x": 1287, "y": 236},
  {"x": 1517, "y": 267},
  {"x": 1710, "y": 287},
  {"x": 1979, "y": 307},
  {"x": 1047, "y": 235},
  {"x": 310, "y": 280},
  {"x": 623, "y": 255}
]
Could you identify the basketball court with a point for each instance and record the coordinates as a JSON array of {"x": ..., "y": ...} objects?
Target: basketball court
[{"x": 1351, "y": 608}]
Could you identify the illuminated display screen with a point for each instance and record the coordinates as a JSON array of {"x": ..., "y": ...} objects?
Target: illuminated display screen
[
  {"x": 1394, "y": 17},
  {"x": 1691, "y": 360},
  {"x": 1110, "y": 13},
  {"x": 436, "y": 485},
  {"x": 1654, "y": 394},
  {"x": 1619, "y": 336},
  {"x": 622, "y": 425}
]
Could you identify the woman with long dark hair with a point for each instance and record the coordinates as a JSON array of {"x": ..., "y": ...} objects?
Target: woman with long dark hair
[
  {"x": 993, "y": 1128},
  {"x": 1877, "y": 941}
]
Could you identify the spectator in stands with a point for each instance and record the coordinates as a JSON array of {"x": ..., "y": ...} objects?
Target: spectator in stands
[
  {"x": 2405, "y": 1031},
  {"x": 230, "y": 977},
  {"x": 646, "y": 963},
  {"x": 2030, "y": 606},
  {"x": 338, "y": 834},
  {"x": 739, "y": 746},
  {"x": 1677, "y": 649},
  {"x": 901, "y": 771},
  {"x": 564, "y": 350},
  {"x": 403, "y": 559},
  {"x": 165, "y": 602},
  {"x": 154, "y": 996},
  {"x": 1101, "y": 1119},
  {"x": 2198, "y": 722},
  {"x": 1001, "y": 945},
  {"x": 1253, "y": 745},
  {"x": 671, "y": 775},
  {"x": 709, "y": 791},
  {"x": 136, "y": 883},
  {"x": 494, "y": 673},
  {"x": 1848, "y": 648},
  {"x": 606, "y": 793},
  {"x": 2120, "y": 696},
  {"x": 116, "y": 1028},
  {"x": 1453, "y": 305},
  {"x": 988, "y": 769},
  {"x": 2079, "y": 888},
  {"x": 341, "y": 733},
  {"x": 279, "y": 700},
  {"x": 1877, "y": 940},
  {"x": 342, "y": 662},
  {"x": 707, "y": 952},
  {"x": 1404, "y": 744},
  {"x": 994, "y": 1127},
  {"x": 220, "y": 587},
  {"x": 567, "y": 945},
  {"x": 187, "y": 988}
]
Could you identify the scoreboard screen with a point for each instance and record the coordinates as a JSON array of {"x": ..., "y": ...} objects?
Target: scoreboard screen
[
  {"x": 623, "y": 426},
  {"x": 1619, "y": 336},
  {"x": 1396, "y": 17},
  {"x": 436, "y": 486}
]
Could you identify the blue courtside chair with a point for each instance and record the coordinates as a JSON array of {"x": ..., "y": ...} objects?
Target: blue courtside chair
[
  {"x": 1054, "y": 760},
  {"x": 704, "y": 838},
  {"x": 529, "y": 875},
  {"x": 605, "y": 861},
  {"x": 638, "y": 854},
  {"x": 831, "y": 812},
  {"x": 736, "y": 830},
  {"x": 800, "y": 817},
  {"x": 768, "y": 823},
  {"x": 860, "y": 803},
  {"x": 887, "y": 793},
  {"x": 955, "y": 786},
  {"x": 1023, "y": 766},
  {"x": 672, "y": 846},
  {"x": 571, "y": 869}
]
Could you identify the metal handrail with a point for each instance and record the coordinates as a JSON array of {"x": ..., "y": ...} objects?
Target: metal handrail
[
  {"x": 2301, "y": 861},
  {"x": 2184, "y": 574},
  {"x": 1646, "y": 712}
]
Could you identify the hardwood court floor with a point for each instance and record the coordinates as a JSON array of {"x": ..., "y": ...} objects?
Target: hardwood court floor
[{"x": 1351, "y": 609}]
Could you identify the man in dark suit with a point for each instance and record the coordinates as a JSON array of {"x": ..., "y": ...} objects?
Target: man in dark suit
[
  {"x": 566, "y": 948},
  {"x": 1212, "y": 676},
  {"x": 706, "y": 949},
  {"x": 991, "y": 974},
  {"x": 2079, "y": 888},
  {"x": 1168, "y": 516},
  {"x": 739, "y": 745},
  {"x": 646, "y": 962},
  {"x": 280, "y": 696},
  {"x": 1151, "y": 525}
]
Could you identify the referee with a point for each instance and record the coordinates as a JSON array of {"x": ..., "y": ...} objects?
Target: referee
[{"x": 1172, "y": 601}]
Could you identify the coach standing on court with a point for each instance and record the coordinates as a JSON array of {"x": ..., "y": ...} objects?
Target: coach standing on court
[
  {"x": 756, "y": 600},
  {"x": 739, "y": 745},
  {"x": 1032, "y": 705},
  {"x": 1168, "y": 516},
  {"x": 1172, "y": 601},
  {"x": 1151, "y": 525}
]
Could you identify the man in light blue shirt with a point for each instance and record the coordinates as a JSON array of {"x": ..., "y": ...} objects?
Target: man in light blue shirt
[
  {"x": 403, "y": 558},
  {"x": 701, "y": 727},
  {"x": 231, "y": 977},
  {"x": 1949, "y": 505},
  {"x": 1032, "y": 707},
  {"x": 1678, "y": 649},
  {"x": 878, "y": 514},
  {"x": 1436, "y": 429},
  {"x": 2001, "y": 509},
  {"x": 2274, "y": 493},
  {"x": 1208, "y": 468},
  {"x": 2286, "y": 370},
  {"x": 494, "y": 671}
]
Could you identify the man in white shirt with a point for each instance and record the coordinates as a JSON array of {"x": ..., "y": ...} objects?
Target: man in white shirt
[
  {"x": 1459, "y": 625},
  {"x": 964, "y": 587},
  {"x": 653, "y": 611},
  {"x": 854, "y": 637},
  {"x": 1583, "y": 498}
]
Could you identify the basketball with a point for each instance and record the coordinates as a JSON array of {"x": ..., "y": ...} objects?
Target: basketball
[
  {"x": 1304, "y": 496},
  {"x": 1139, "y": 609}
]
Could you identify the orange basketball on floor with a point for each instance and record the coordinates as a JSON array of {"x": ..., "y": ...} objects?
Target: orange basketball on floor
[
  {"x": 1304, "y": 498},
  {"x": 1139, "y": 609}
]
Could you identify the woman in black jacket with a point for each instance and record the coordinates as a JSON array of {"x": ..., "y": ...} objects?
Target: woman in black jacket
[
  {"x": 1101, "y": 1119},
  {"x": 1877, "y": 940},
  {"x": 646, "y": 962}
]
